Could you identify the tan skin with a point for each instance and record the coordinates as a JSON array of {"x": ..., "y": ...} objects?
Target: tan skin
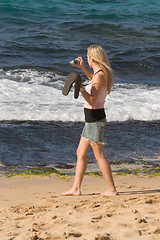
[{"x": 99, "y": 81}]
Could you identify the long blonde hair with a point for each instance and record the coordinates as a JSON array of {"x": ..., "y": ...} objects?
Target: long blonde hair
[{"x": 97, "y": 53}]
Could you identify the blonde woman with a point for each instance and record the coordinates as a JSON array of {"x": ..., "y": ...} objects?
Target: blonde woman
[{"x": 95, "y": 120}]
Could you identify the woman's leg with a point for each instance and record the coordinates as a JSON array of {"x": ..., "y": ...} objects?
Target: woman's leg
[
  {"x": 81, "y": 166},
  {"x": 104, "y": 167}
]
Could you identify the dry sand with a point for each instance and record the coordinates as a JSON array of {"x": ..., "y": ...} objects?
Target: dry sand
[{"x": 31, "y": 208}]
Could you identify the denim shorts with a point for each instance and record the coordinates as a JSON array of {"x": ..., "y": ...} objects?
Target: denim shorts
[{"x": 94, "y": 131}]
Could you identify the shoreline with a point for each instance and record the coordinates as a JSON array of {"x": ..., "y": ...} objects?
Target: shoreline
[
  {"x": 31, "y": 208},
  {"x": 144, "y": 167}
]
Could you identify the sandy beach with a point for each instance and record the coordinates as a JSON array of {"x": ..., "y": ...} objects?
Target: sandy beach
[{"x": 32, "y": 208}]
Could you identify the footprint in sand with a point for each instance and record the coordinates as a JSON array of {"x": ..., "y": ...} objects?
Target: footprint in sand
[
  {"x": 37, "y": 226},
  {"x": 96, "y": 218},
  {"x": 105, "y": 236},
  {"x": 149, "y": 201},
  {"x": 74, "y": 234},
  {"x": 108, "y": 215},
  {"x": 142, "y": 220},
  {"x": 156, "y": 230}
]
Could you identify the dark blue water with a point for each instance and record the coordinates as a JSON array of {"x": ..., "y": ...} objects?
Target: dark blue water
[
  {"x": 54, "y": 144},
  {"x": 45, "y": 36}
]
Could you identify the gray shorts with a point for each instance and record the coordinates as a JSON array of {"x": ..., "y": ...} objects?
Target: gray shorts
[{"x": 94, "y": 131}]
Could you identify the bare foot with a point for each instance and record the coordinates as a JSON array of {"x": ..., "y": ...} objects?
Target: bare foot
[
  {"x": 109, "y": 193},
  {"x": 71, "y": 192}
]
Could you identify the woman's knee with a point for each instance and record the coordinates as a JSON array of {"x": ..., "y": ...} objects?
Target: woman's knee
[
  {"x": 81, "y": 154},
  {"x": 83, "y": 148}
]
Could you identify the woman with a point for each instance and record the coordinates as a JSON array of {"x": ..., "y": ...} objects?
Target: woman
[{"x": 92, "y": 136}]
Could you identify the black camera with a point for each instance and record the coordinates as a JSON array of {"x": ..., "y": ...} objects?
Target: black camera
[{"x": 74, "y": 62}]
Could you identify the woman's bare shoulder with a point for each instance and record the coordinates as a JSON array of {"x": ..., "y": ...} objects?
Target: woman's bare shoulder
[{"x": 99, "y": 79}]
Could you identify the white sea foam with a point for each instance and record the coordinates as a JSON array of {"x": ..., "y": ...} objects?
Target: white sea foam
[{"x": 35, "y": 95}]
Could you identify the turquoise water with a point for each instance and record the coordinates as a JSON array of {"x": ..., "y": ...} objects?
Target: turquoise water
[{"x": 47, "y": 34}]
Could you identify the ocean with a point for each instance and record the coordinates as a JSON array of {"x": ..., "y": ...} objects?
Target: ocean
[{"x": 39, "y": 126}]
